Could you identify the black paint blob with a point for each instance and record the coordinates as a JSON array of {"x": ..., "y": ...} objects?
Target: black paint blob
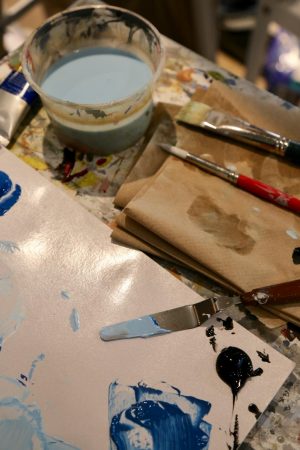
[
  {"x": 254, "y": 409},
  {"x": 263, "y": 356},
  {"x": 234, "y": 367},
  {"x": 213, "y": 343},
  {"x": 296, "y": 255},
  {"x": 210, "y": 332},
  {"x": 227, "y": 323}
]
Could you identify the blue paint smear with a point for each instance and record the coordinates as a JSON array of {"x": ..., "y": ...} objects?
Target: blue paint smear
[
  {"x": 287, "y": 105},
  {"x": 9, "y": 195},
  {"x": 21, "y": 424},
  {"x": 74, "y": 320},
  {"x": 41, "y": 357},
  {"x": 144, "y": 327},
  {"x": 5, "y": 184},
  {"x": 147, "y": 417},
  {"x": 8, "y": 247},
  {"x": 11, "y": 310},
  {"x": 65, "y": 295},
  {"x": 21, "y": 428}
]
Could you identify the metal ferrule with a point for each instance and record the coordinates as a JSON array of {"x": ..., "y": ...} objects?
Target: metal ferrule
[
  {"x": 215, "y": 169},
  {"x": 281, "y": 145},
  {"x": 242, "y": 131}
]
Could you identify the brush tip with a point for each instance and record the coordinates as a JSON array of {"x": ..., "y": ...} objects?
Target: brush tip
[
  {"x": 193, "y": 113},
  {"x": 165, "y": 147},
  {"x": 179, "y": 152}
]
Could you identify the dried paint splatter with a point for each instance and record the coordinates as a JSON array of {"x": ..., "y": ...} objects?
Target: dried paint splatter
[
  {"x": 8, "y": 247},
  {"x": 65, "y": 295},
  {"x": 74, "y": 320},
  {"x": 263, "y": 356},
  {"x": 292, "y": 234}
]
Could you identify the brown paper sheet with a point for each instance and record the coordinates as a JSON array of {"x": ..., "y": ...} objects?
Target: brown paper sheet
[
  {"x": 152, "y": 243},
  {"x": 236, "y": 236}
]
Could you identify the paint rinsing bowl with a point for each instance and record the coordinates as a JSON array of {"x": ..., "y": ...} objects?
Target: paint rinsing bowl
[{"x": 111, "y": 117}]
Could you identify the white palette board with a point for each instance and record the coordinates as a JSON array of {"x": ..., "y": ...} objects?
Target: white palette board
[{"x": 57, "y": 258}]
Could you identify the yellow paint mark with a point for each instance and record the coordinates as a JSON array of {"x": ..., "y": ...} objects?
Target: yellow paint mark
[
  {"x": 34, "y": 162},
  {"x": 90, "y": 179}
]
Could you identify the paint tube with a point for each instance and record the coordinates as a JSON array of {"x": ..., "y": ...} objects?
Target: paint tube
[{"x": 16, "y": 97}]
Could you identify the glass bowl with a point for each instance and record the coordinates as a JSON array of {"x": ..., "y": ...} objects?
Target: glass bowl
[{"x": 97, "y": 127}]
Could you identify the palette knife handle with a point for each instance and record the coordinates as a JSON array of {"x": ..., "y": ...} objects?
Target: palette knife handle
[{"x": 276, "y": 294}]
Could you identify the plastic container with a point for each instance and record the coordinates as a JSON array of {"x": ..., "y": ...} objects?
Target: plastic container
[{"x": 100, "y": 128}]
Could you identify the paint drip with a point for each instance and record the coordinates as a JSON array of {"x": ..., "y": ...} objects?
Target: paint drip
[
  {"x": 234, "y": 367},
  {"x": 263, "y": 356},
  {"x": 235, "y": 433},
  {"x": 254, "y": 410}
]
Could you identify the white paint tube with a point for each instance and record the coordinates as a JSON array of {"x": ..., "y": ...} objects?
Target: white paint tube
[{"x": 16, "y": 97}]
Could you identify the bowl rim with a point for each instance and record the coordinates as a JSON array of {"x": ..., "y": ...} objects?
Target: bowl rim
[{"x": 66, "y": 103}]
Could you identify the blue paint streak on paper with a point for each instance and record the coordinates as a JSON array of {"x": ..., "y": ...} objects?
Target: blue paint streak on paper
[
  {"x": 41, "y": 357},
  {"x": 11, "y": 310},
  {"x": 160, "y": 420},
  {"x": 74, "y": 320},
  {"x": 8, "y": 247},
  {"x": 21, "y": 424},
  {"x": 21, "y": 428},
  {"x": 5, "y": 184},
  {"x": 65, "y": 295},
  {"x": 144, "y": 327},
  {"x": 9, "y": 194}
]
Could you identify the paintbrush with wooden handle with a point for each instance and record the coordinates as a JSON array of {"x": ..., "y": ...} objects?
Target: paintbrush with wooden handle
[{"x": 203, "y": 116}]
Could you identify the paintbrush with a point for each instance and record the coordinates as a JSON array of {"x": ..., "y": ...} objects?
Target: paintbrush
[
  {"x": 203, "y": 116},
  {"x": 248, "y": 184}
]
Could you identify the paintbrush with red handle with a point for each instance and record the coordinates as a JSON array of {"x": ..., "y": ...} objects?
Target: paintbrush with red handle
[{"x": 248, "y": 184}]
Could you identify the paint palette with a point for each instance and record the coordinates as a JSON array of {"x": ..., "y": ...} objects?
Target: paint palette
[{"x": 61, "y": 280}]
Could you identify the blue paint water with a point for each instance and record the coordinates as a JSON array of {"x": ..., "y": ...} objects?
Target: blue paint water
[
  {"x": 9, "y": 194},
  {"x": 96, "y": 75},
  {"x": 74, "y": 320},
  {"x": 147, "y": 417},
  {"x": 145, "y": 326}
]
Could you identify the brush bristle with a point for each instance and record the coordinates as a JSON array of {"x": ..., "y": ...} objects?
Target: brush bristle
[
  {"x": 176, "y": 151},
  {"x": 193, "y": 113}
]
